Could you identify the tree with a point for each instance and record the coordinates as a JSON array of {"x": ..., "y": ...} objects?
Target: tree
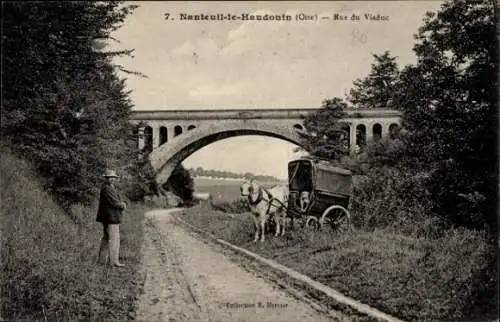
[
  {"x": 181, "y": 183},
  {"x": 63, "y": 107},
  {"x": 441, "y": 170},
  {"x": 449, "y": 102},
  {"x": 141, "y": 181},
  {"x": 325, "y": 136},
  {"x": 377, "y": 89}
]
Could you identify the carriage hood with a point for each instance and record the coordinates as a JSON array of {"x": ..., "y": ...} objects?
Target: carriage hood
[{"x": 306, "y": 174}]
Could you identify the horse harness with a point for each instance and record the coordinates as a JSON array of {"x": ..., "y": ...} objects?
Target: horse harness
[{"x": 260, "y": 197}]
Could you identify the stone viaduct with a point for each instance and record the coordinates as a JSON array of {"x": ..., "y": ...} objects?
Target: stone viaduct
[{"x": 172, "y": 136}]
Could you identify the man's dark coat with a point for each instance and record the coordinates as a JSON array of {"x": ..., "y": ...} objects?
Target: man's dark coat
[{"x": 110, "y": 207}]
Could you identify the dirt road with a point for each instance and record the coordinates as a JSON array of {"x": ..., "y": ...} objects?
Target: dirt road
[{"x": 189, "y": 280}]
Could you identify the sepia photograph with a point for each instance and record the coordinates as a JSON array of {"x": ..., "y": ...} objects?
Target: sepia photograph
[{"x": 192, "y": 161}]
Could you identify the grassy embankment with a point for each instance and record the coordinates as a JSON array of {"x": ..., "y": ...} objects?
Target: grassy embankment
[
  {"x": 415, "y": 278},
  {"x": 49, "y": 270}
]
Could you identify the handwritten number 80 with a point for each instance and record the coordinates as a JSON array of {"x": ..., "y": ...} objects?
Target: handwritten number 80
[{"x": 358, "y": 37}]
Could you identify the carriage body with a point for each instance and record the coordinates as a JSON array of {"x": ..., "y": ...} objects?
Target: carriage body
[{"x": 315, "y": 186}]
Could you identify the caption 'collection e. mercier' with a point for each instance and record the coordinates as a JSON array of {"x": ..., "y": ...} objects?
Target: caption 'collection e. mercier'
[{"x": 260, "y": 305}]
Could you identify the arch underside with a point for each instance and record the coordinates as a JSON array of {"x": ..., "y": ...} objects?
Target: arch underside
[{"x": 166, "y": 158}]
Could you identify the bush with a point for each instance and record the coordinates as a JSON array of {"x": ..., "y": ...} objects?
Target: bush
[
  {"x": 389, "y": 196},
  {"x": 139, "y": 180},
  {"x": 396, "y": 201},
  {"x": 181, "y": 183},
  {"x": 49, "y": 269}
]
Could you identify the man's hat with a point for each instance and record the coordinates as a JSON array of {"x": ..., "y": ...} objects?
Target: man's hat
[{"x": 110, "y": 173}]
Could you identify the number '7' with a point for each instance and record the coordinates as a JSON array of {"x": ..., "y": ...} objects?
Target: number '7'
[{"x": 167, "y": 15}]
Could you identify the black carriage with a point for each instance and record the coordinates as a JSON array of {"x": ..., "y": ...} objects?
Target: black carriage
[{"x": 319, "y": 193}]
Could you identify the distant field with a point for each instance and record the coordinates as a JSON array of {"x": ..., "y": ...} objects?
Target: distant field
[{"x": 222, "y": 190}]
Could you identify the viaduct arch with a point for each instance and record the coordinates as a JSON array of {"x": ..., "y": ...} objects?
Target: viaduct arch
[
  {"x": 172, "y": 136},
  {"x": 166, "y": 157}
]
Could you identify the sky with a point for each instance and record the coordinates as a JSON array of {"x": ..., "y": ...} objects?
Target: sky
[{"x": 258, "y": 64}]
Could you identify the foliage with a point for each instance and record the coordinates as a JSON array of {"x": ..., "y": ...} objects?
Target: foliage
[
  {"x": 448, "y": 100},
  {"x": 377, "y": 89},
  {"x": 448, "y": 103},
  {"x": 181, "y": 183},
  {"x": 141, "y": 179},
  {"x": 324, "y": 135},
  {"x": 64, "y": 108},
  {"x": 389, "y": 196}
]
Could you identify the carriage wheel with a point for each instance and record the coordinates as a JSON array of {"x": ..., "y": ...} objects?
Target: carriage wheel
[
  {"x": 312, "y": 223},
  {"x": 336, "y": 218}
]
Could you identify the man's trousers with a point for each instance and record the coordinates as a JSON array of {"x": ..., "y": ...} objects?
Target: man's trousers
[{"x": 110, "y": 242}]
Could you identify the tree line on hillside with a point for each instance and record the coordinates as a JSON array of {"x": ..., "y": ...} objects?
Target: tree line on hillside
[{"x": 199, "y": 171}]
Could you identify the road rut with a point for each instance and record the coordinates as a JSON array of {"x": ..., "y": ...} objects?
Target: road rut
[{"x": 189, "y": 280}]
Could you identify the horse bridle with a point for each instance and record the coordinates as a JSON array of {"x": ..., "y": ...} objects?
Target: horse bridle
[{"x": 260, "y": 195}]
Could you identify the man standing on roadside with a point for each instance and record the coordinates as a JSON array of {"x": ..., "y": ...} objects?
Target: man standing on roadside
[{"x": 110, "y": 214}]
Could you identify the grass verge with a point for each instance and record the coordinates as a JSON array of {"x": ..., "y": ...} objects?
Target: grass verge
[
  {"x": 49, "y": 269},
  {"x": 236, "y": 207},
  {"x": 412, "y": 278}
]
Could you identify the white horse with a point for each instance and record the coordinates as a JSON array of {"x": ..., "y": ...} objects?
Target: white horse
[{"x": 265, "y": 203}]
